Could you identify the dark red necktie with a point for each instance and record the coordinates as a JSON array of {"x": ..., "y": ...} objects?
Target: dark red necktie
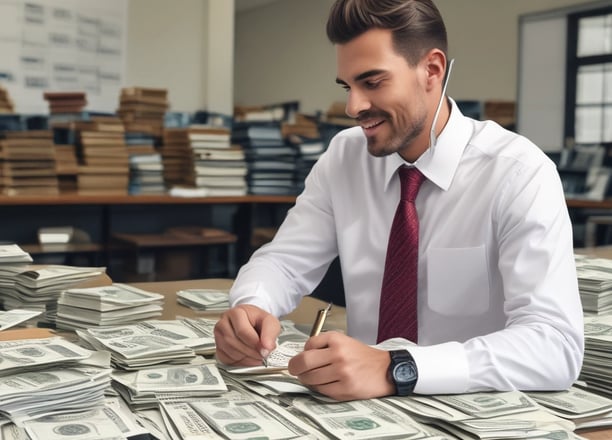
[{"x": 398, "y": 298}]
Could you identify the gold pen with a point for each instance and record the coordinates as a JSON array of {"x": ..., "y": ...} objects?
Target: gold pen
[{"x": 320, "y": 320}]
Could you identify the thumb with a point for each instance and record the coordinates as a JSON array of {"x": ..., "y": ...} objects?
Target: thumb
[{"x": 268, "y": 333}]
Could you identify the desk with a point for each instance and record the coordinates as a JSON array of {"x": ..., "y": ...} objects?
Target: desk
[
  {"x": 589, "y": 204},
  {"x": 304, "y": 315}
]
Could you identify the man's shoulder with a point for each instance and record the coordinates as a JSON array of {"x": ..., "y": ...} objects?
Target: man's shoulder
[{"x": 496, "y": 141}]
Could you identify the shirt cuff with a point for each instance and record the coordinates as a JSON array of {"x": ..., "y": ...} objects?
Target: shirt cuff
[{"x": 442, "y": 368}]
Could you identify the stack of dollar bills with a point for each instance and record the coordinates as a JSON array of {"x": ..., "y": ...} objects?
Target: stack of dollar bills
[
  {"x": 141, "y": 389},
  {"x": 39, "y": 287},
  {"x": 39, "y": 376},
  {"x": 106, "y": 306},
  {"x": 208, "y": 300},
  {"x": 153, "y": 342},
  {"x": 597, "y": 366},
  {"x": 595, "y": 284}
]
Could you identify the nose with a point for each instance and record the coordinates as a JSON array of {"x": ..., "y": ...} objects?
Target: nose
[{"x": 356, "y": 103}]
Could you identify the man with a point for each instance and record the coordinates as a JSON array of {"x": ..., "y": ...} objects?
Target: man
[{"x": 498, "y": 304}]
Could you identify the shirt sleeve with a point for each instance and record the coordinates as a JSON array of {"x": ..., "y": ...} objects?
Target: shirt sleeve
[
  {"x": 542, "y": 343},
  {"x": 280, "y": 273}
]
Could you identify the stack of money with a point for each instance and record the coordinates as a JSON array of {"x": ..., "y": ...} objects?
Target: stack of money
[
  {"x": 38, "y": 288},
  {"x": 15, "y": 317},
  {"x": 595, "y": 284},
  {"x": 204, "y": 299},
  {"x": 106, "y": 305},
  {"x": 13, "y": 260},
  {"x": 141, "y": 389},
  {"x": 597, "y": 366},
  {"x": 35, "y": 393},
  {"x": 487, "y": 415},
  {"x": 153, "y": 342},
  {"x": 236, "y": 415},
  {"x": 585, "y": 409},
  {"x": 112, "y": 420},
  {"x": 13, "y": 254},
  {"x": 43, "y": 375}
]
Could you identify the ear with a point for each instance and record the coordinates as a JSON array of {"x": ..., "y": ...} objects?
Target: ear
[{"x": 435, "y": 68}]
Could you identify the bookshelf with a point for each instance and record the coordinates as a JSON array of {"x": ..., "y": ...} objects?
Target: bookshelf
[{"x": 106, "y": 217}]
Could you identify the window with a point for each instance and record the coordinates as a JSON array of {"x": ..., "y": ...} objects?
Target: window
[{"x": 588, "y": 115}]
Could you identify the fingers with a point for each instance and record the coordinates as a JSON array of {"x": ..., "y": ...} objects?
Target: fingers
[
  {"x": 243, "y": 333},
  {"x": 342, "y": 368}
]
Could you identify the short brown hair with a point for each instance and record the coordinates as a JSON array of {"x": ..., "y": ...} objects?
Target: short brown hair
[{"x": 416, "y": 25}]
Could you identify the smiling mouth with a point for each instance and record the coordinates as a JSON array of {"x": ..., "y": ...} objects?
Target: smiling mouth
[{"x": 371, "y": 125}]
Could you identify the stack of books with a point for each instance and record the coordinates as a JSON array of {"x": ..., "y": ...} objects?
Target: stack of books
[
  {"x": 67, "y": 168},
  {"x": 6, "y": 103},
  {"x": 66, "y": 102},
  {"x": 595, "y": 284},
  {"x": 28, "y": 163},
  {"x": 306, "y": 138},
  {"x": 103, "y": 157},
  {"x": 177, "y": 157},
  {"x": 271, "y": 162},
  {"x": 145, "y": 106},
  {"x": 219, "y": 168},
  {"x": 146, "y": 166},
  {"x": 336, "y": 115},
  {"x": 106, "y": 305}
]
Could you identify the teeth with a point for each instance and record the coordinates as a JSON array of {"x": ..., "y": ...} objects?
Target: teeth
[{"x": 371, "y": 125}]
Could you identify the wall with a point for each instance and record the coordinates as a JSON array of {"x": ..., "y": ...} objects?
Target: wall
[
  {"x": 166, "y": 49},
  {"x": 282, "y": 52}
]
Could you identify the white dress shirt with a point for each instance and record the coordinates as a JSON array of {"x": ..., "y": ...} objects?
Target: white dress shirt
[{"x": 498, "y": 300}]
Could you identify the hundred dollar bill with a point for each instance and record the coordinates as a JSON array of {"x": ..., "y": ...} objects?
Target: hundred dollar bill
[
  {"x": 142, "y": 388},
  {"x": 360, "y": 419},
  {"x": 237, "y": 415},
  {"x": 573, "y": 403},
  {"x": 204, "y": 299},
  {"x": 535, "y": 423},
  {"x": 110, "y": 422},
  {"x": 488, "y": 404},
  {"x": 14, "y": 317},
  {"x": 34, "y": 353},
  {"x": 12, "y": 253},
  {"x": 107, "y": 298}
]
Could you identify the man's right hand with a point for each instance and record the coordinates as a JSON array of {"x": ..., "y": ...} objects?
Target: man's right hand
[{"x": 245, "y": 334}]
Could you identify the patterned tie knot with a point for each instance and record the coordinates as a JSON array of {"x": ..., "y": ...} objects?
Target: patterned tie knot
[{"x": 410, "y": 181}]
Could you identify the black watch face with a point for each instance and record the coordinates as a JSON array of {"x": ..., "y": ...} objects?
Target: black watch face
[{"x": 404, "y": 372}]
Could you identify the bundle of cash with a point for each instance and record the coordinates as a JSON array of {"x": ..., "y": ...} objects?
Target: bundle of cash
[
  {"x": 106, "y": 305},
  {"x": 141, "y": 388},
  {"x": 209, "y": 300},
  {"x": 152, "y": 342}
]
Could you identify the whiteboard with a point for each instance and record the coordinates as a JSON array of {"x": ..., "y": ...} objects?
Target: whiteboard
[{"x": 62, "y": 45}]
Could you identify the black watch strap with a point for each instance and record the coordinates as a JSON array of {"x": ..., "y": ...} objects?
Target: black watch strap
[{"x": 402, "y": 372}]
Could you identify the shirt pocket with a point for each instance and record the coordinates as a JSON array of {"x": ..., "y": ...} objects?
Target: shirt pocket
[{"x": 458, "y": 281}]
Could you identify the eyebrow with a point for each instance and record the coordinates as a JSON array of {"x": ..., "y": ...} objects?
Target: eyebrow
[{"x": 362, "y": 76}]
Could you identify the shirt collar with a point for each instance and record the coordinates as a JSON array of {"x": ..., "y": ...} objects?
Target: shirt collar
[{"x": 439, "y": 165}]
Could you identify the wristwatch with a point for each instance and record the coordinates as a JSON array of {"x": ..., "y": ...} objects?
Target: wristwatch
[{"x": 402, "y": 372}]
